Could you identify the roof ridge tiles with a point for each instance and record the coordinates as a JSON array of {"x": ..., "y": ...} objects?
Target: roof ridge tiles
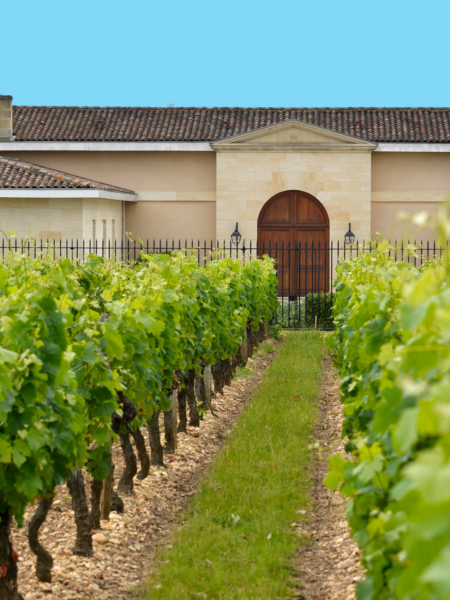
[{"x": 207, "y": 124}]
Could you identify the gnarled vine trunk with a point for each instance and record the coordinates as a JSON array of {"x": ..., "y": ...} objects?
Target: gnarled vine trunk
[
  {"x": 83, "y": 543},
  {"x": 200, "y": 394},
  {"x": 250, "y": 341},
  {"x": 126, "y": 481},
  {"x": 119, "y": 425},
  {"x": 156, "y": 456},
  {"x": 8, "y": 562},
  {"x": 107, "y": 488},
  {"x": 44, "y": 560},
  {"x": 170, "y": 421},
  {"x": 261, "y": 333},
  {"x": 254, "y": 338},
  {"x": 169, "y": 447},
  {"x": 189, "y": 381},
  {"x": 222, "y": 374},
  {"x": 117, "y": 502},
  {"x": 203, "y": 388},
  {"x": 96, "y": 495},
  {"x": 242, "y": 353},
  {"x": 129, "y": 411},
  {"x": 144, "y": 458},
  {"x": 217, "y": 377},
  {"x": 182, "y": 397}
]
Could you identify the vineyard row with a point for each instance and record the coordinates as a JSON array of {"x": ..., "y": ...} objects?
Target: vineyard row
[
  {"x": 392, "y": 347},
  {"x": 91, "y": 352}
]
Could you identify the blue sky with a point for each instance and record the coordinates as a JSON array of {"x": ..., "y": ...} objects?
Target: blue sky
[{"x": 234, "y": 53}]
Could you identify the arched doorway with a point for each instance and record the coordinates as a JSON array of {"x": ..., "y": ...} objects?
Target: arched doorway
[{"x": 293, "y": 228}]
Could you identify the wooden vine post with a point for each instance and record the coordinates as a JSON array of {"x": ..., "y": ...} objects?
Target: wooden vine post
[
  {"x": 173, "y": 405},
  {"x": 207, "y": 379},
  {"x": 106, "y": 498}
]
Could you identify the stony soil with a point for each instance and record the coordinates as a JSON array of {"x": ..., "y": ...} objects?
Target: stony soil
[
  {"x": 327, "y": 565},
  {"x": 125, "y": 547}
]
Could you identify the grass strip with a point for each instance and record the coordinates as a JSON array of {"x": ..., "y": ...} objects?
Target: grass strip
[{"x": 237, "y": 541}]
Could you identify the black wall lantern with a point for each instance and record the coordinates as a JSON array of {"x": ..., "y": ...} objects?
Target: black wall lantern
[
  {"x": 236, "y": 236},
  {"x": 349, "y": 236}
]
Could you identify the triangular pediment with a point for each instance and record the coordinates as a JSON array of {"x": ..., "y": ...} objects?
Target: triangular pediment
[{"x": 294, "y": 136}]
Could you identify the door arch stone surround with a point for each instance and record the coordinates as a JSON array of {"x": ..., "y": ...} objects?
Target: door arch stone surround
[{"x": 249, "y": 171}]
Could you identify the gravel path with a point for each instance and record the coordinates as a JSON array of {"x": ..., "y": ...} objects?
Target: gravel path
[
  {"x": 327, "y": 565},
  {"x": 124, "y": 549}
]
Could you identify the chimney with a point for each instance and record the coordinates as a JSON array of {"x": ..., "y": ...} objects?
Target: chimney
[{"x": 6, "y": 119}]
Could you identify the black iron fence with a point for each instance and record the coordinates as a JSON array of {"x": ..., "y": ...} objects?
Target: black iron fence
[{"x": 306, "y": 272}]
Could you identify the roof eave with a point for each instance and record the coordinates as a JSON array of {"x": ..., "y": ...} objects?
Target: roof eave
[
  {"x": 117, "y": 146},
  {"x": 67, "y": 193}
]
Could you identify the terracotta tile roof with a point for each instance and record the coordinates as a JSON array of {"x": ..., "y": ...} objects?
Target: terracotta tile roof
[
  {"x": 16, "y": 174},
  {"x": 61, "y": 123}
]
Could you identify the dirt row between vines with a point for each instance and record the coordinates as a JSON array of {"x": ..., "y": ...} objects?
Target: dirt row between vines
[
  {"x": 125, "y": 546},
  {"x": 327, "y": 566}
]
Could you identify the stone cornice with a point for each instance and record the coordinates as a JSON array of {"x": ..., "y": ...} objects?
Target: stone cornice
[
  {"x": 11, "y": 146},
  {"x": 301, "y": 147}
]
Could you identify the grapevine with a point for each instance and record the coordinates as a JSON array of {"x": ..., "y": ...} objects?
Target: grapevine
[
  {"x": 392, "y": 348},
  {"x": 89, "y": 353}
]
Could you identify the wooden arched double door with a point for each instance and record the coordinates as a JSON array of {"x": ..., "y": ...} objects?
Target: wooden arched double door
[{"x": 293, "y": 228}]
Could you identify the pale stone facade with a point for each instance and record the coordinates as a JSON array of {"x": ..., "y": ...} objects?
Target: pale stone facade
[
  {"x": 246, "y": 181},
  {"x": 58, "y": 219},
  {"x": 176, "y": 191},
  {"x": 200, "y": 195},
  {"x": 407, "y": 184},
  {"x": 293, "y": 157},
  {"x": 107, "y": 215}
]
